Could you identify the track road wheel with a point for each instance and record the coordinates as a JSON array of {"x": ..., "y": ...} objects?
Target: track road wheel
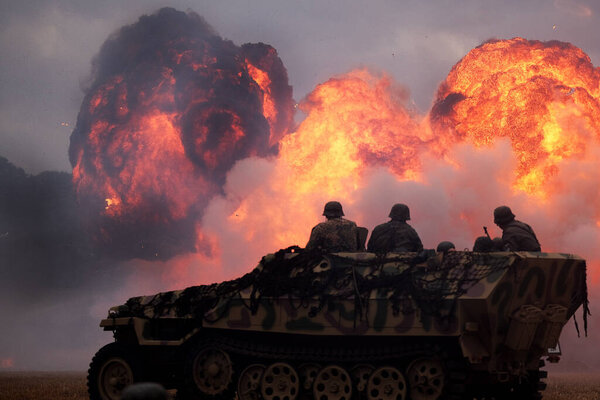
[
  {"x": 426, "y": 379},
  {"x": 114, "y": 367},
  {"x": 280, "y": 382},
  {"x": 332, "y": 383},
  {"x": 386, "y": 383},
  {"x": 208, "y": 374},
  {"x": 249, "y": 382}
]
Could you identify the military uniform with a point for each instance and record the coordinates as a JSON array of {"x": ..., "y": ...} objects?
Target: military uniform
[
  {"x": 483, "y": 244},
  {"x": 445, "y": 246},
  {"x": 516, "y": 235},
  {"x": 394, "y": 236},
  {"x": 334, "y": 235},
  {"x": 519, "y": 236}
]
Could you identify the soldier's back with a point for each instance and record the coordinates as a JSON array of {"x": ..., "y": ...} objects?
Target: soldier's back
[
  {"x": 519, "y": 236},
  {"x": 334, "y": 235},
  {"x": 394, "y": 236}
]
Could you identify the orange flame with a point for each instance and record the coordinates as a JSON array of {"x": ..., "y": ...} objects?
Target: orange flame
[
  {"x": 262, "y": 79},
  {"x": 541, "y": 98},
  {"x": 358, "y": 123},
  {"x": 354, "y": 122},
  {"x": 544, "y": 97}
]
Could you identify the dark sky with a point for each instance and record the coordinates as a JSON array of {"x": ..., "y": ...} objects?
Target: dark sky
[{"x": 47, "y": 47}]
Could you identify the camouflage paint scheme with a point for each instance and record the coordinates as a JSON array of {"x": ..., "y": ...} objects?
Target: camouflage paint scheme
[{"x": 513, "y": 310}]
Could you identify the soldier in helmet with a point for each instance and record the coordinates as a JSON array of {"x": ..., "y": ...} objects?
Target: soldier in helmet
[
  {"x": 396, "y": 235},
  {"x": 445, "y": 246},
  {"x": 483, "y": 244},
  {"x": 516, "y": 235},
  {"x": 337, "y": 234}
]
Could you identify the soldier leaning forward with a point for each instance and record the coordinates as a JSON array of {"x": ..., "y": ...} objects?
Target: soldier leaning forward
[
  {"x": 516, "y": 235},
  {"x": 336, "y": 234},
  {"x": 396, "y": 235}
]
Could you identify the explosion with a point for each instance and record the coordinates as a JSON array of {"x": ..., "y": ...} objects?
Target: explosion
[
  {"x": 183, "y": 145},
  {"x": 353, "y": 122},
  {"x": 543, "y": 96},
  {"x": 478, "y": 148},
  {"x": 171, "y": 108},
  {"x": 184, "y": 151}
]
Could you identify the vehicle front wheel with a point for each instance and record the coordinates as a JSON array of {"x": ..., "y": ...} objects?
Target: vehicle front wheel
[{"x": 113, "y": 368}]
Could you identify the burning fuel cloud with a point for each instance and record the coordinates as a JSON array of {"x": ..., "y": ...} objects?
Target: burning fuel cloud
[
  {"x": 171, "y": 107},
  {"x": 523, "y": 131},
  {"x": 183, "y": 145},
  {"x": 544, "y": 97}
]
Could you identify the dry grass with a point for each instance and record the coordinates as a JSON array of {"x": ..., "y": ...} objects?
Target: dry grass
[
  {"x": 43, "y": 385},
  {"x": 72, "y": 386},
  {"x": 573, "y": 386}
]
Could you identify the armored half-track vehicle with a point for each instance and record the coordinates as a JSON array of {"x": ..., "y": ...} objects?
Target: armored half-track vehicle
[{"x": 345, "y": 326}]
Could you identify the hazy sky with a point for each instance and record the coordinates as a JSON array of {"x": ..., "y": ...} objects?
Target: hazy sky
[{"x": 46, "y": 48}]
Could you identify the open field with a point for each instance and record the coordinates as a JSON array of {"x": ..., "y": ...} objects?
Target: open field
[
  {"x": 72, "y": 386},
  {"x": 43, "y": 385},
  {"x": 573, "y": 386}
]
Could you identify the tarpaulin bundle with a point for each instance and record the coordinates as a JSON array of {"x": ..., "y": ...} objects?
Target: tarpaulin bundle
[{"x": 428, "y": 280}]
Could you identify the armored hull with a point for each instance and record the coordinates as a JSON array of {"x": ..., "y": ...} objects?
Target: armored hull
[{"x": 351, "y": 325}]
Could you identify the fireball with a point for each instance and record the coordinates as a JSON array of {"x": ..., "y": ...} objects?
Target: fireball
[
  {"x": 163, "y": 122},
  {"x": 543, "y": 96}
]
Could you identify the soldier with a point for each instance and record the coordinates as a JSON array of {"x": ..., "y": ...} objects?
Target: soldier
[
  {"x": 445, "y": 246},
  {"x": 483, "y": 244},
  {"x": 516, "y": 235},
  {"x": 396, "y": 235},
  {"x": 336, "y": 234},
  {"x": 498, "y": 244}
]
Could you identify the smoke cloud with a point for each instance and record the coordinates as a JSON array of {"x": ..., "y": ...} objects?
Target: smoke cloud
[{"x": 170, "y": 108}]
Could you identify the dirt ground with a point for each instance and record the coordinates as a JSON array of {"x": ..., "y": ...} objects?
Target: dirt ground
[{"x": 72, "y": 386}]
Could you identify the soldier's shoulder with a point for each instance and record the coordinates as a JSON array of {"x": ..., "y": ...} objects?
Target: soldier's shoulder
[
  {"x": 523, "y": 223},
  {"x": 409, "y": 227},
  {"x": 381, "y": 226},
  {"x": 515, "y": 225},
  {"x": 345, "y": 221},
  {"x": 400, "y": 225},
  {"x": 320, "y": 226}
]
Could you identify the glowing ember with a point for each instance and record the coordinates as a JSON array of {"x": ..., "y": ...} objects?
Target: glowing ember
[
  {"x": 267, "y": 70},
  {"x": 543, "y": 96}
]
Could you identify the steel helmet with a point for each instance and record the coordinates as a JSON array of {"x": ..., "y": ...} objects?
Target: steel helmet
[
  {"x": 333, "y": 209},
  {"x": 483, "y": 244},
  {"x": 503, "y": 215},
  {"x": 400, "y": 212},
  {"x": 445, "y": 246}
]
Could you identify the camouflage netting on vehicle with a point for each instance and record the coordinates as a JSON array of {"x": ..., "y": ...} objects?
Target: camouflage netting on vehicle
[{"x": 429, "y": 281}]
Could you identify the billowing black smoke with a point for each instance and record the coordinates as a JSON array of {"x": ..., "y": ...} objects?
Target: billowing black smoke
[
  {"x": 43, "y": 246},
  {"x": 171, "y": 107}
]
